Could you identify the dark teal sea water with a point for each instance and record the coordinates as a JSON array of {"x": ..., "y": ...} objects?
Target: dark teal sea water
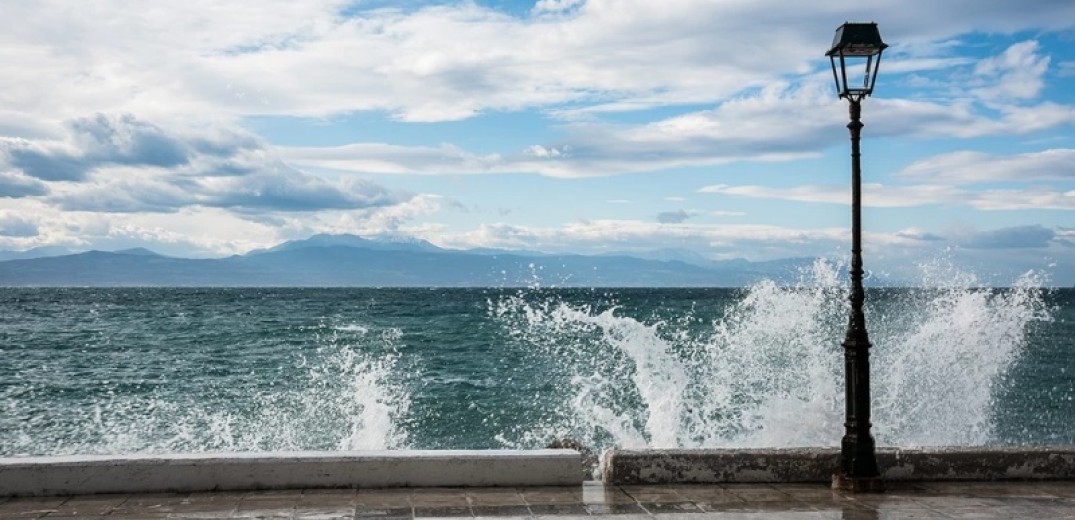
[{"x": 190, "y": 370}]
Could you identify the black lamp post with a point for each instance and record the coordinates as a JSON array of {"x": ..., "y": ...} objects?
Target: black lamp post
[{"x": 858, "y": 47}]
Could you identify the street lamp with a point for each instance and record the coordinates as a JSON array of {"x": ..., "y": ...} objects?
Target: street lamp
[{"x": 857, "y": 49}]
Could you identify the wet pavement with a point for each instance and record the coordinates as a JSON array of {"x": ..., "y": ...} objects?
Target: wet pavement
[{"x": 977, "y": 500}]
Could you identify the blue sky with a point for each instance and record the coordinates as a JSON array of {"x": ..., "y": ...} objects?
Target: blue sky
[{"x": 706, "y": 127}]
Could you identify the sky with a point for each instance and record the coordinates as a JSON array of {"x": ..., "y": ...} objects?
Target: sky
[{"x": 701, "y": 129}]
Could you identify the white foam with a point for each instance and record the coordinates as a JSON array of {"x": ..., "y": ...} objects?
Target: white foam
[
  {"x": 769, "y": 372},
  {"x": 349, "y": 398}
]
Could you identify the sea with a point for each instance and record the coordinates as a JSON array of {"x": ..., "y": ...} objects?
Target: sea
[{"x": 186, "y": 370}]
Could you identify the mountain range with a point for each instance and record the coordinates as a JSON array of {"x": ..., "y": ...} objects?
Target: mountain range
[{"x": 353, "y": 261}]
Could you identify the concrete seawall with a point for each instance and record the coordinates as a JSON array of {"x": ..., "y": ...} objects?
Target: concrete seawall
[
  {"x": 819, "y": 464},
  {"x": 76, "y": 475},
  {"x": 248, "y": 471}
]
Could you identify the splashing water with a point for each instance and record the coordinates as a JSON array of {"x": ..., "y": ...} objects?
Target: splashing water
[
  {"x": 345, "y": 399},
  {"x": 946, "y": 352},
  {"x": 176, "y": 370},
  {"x": 768, "y": 370}
]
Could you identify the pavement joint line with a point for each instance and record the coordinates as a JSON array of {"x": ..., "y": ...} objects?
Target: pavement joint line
[{"x": 1015, "y": 499}]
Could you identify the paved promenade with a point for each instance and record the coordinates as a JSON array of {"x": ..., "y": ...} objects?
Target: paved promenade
[{"x": 978, "y": 500}]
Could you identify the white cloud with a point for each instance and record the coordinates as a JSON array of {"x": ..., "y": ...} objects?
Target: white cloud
[
  {"x": 187, "y": 72},
  {"x": 387, "y": 158},
  {"x": 904, "y": 117},
  {"x": 205, "y": 231},
  {"x": 1029, "y": 198},
  {"x": 555, "y": 6},
  {"x": 13, "y": 225},
  {"x": 1033, "y": 236},
  {"x": 192, "y": 231},
  {"x": 204, "y": 61},
  {"x": 18, "y": 184},
  {"x": 304, "y": 58},
  {"x": 967, "y": 167},
  {"x": 122, "y": 164},
  {"x": 882, "y": 196},
  {"x": 602, "y": 236},
  {"x": 778, "y": 123},
  {"x": 908, "y": 255},
  {"x": 1015, "y": 74},
  {"x": 753, "y": 242},
  {"x": 914, "y": 233},
  {"x": 748, "y": 128},
  {"x": 873, "y": 195},
  {"x": 545, "y": 153},
  {"x": 674, "y": 217}
]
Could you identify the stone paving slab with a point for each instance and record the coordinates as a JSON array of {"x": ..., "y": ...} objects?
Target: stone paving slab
[{"x": 929, "y": 500}]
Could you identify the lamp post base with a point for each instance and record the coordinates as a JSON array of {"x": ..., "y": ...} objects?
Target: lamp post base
[{"x": 858, "y": 484}]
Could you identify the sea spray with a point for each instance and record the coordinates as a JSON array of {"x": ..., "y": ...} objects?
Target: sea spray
[
  {"x": 372, "y": 403},
  {"x": 207, "y": 370},
  {"x": 767, "y": 371},
  {"x": 346, "y": 396},
  {"x": 947, "y": 350}
]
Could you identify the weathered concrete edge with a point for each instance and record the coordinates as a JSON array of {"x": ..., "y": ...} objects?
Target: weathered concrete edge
[
  {"x": 819, "y": 464},
  {"x": 89, "y": 474}
]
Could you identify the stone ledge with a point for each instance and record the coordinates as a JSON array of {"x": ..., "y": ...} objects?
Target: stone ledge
[
  {"x": 819, "y": 464},
  {"x": 77, "y": 475}
]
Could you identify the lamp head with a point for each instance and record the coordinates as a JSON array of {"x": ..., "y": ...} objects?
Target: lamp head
[{"x": 857, "y": 47}]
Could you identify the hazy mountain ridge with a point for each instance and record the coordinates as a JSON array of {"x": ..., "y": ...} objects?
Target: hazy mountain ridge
[
  {"x": 352, "y": 261},
  {"x": 37, "y": 252}
]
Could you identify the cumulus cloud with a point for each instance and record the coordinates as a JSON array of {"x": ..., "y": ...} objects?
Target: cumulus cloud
[
  {"x": 607, "y": 235},
  {"x": 248, "y": 57},
  {"x": 190, "y": 71},
  {"x": 873, "y": 194},
  {"x": 123, "y": 164},
  {"x": 890, "y": 196},
  {"x": 555, "y": 6},
  {"x": 286, "y": 189},
  {"x": 275, "y": 188},
  {"x": 95, "y": 142},
  {"x": 753, "y": 127},
  {"x": 893, "y": 117},
  {"x": 967, "y": 167},
  {"x": 674, "y": 217},
  {"x": 200, "y": 231},
  {"x": 1017, "y": 73},
  {"x": 1065, "y": 236},
  {"x": 1034, "y": 236},
  {"x": 919, "y": 235},
  {"x": 15, "y": 185},
  {"x": 1029, "y": 198},
  {"x": 905, "y": 255},
  {"x": 15, "y": 226},
  {"x": 388, "y": 158},
  {"x": 410, "y": 64},
  {"x": 124, "y": 190}
]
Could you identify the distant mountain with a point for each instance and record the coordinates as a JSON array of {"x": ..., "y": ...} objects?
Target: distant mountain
[
  {"x": 783, "y": 268},
  {"x": 351, "y": 261},
  {"x": 325, "y": 240},
  {"x": 139, "y": 251},
  {"x": 37, "y": 252},
  {"x": 668, "y": 254}
]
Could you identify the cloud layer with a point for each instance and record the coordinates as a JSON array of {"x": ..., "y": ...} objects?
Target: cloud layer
[
  {"x": 129, "y": 126},
  {"x": 127, "y": 165}
]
